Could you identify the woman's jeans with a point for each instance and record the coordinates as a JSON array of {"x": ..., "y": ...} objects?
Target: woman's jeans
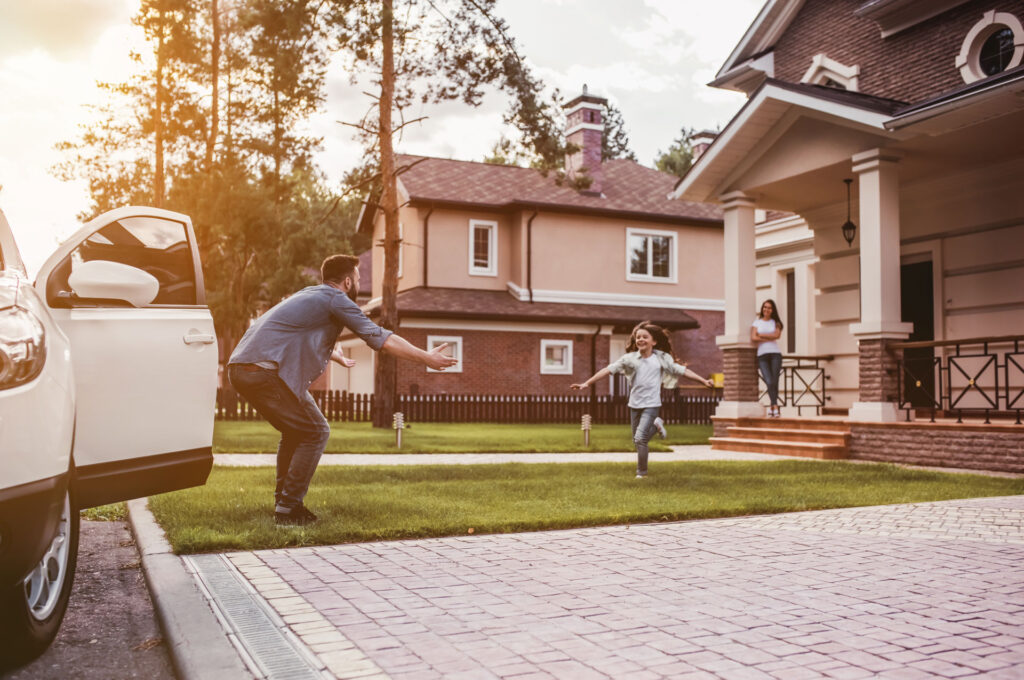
[
  {"x": 771, "y": 366},
  {"x": 642, "y": 422},
  {"x": 304, "y": 430}
]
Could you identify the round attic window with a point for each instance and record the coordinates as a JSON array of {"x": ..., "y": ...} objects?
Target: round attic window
[
  {"x": 993, "y": 45},
  {"x": 996, "y": 52}
]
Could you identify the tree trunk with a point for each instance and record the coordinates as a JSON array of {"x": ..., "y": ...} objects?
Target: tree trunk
[
  {"x": 211, "y": 141},
  {"x": 387, "y": 370},
  {"x": 158, "y": 118}
]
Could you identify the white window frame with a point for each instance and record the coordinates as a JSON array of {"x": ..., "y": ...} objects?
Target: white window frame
[
  {"x": 673, "y": 252},
  {"x": 556, "y": 370},
  {"x": 823, "y": 69},
  {"x": 968, "y": 60},
  {"x": 455, "y": 342},
  {"x": 492, "y": 248}
]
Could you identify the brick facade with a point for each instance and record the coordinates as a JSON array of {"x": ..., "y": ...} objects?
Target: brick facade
[
  {"x": 500, "y": 362},
  {"x": 697, "y": 346},
  {"x": 975, "y": 447},
  {"x": 740, "y": 367},
  {"x": 878, "y": 377},
  {"x": 910, "y": 66}
]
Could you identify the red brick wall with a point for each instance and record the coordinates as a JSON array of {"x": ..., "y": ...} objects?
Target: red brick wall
[
  {"x": 500, "y": 362},
  {"x": 697, "y": 347},
  {"x": 979, "y": 447},
  {"x": 911, "y": 66}
]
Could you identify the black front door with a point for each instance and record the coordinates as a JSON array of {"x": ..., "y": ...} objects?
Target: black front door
[{"x": 916, "y": 307}]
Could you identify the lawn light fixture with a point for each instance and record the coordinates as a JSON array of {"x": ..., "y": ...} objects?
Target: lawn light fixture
[
  {"x": 398, "y": 422},
  {"x": 585, "y": 426},
  {"x": 849, "y": 228}
]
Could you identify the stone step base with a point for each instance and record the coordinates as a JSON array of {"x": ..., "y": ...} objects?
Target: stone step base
[
  {"x": 835, "y": 424},
  {"x": 783, "y": 448},
  {"x": 835, "y": 437}
]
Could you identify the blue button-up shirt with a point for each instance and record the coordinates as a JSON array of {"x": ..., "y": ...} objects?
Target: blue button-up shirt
[{"x": 298, "y": 334}]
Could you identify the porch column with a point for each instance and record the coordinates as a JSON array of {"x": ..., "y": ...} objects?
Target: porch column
[
  {"x": 738, "y": 354},
  {"x": 880, "y": 318}
]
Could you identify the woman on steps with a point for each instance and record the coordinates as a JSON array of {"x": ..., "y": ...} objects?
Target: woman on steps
[{"x": 766, "y": 329}]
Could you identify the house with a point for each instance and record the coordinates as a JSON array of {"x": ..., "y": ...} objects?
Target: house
[
  {"x": 536, "y": 284},
  {"x": 909, "y": 294}
]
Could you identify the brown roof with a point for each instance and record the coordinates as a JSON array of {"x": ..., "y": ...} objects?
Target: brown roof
[
  {"x": 629, "y": 189},
  {"x": 461, "y": 303}
]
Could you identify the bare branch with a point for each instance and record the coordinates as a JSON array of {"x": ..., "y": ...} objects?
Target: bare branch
[{"x": 345, "y": 193}]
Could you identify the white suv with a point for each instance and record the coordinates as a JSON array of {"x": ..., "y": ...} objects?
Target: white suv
[{"x": 108, "y": 377}]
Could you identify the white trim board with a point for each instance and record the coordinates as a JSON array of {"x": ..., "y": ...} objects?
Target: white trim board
[{"x": 616, "y": 299}]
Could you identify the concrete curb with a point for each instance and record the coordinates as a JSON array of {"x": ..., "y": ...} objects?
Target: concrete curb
[{"x": 198, "y": 645}]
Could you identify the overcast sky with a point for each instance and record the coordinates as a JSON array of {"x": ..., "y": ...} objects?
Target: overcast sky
[{"x": 651, "y": 58}]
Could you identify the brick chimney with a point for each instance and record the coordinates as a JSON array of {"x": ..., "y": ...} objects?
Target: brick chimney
[
  {"x": 584, "y": 127},
  {"x": 700, "y": 141}
]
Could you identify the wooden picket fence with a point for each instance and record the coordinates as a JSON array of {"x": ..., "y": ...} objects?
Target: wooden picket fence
[{"x": 677, "y": 407}]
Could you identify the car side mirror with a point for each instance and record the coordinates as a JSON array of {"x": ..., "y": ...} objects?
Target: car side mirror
[{"x": 105, "y": 280}]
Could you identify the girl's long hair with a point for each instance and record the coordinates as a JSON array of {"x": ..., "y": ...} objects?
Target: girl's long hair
[
  {"x": 661, "y": 340},
  {"x": 775, "y": 312}
]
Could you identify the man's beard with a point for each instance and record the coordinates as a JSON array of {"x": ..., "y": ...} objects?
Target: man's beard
[{"x": 353, "y": 291}]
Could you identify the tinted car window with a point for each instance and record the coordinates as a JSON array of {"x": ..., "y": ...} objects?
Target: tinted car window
[{"x": 152, "y": 244}]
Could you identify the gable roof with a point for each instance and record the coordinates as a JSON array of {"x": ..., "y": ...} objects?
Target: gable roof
[{"x": 629, "y": 190}]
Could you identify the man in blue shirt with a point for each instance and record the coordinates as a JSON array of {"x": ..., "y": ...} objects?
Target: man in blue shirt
[{"x": 285, "y": 350}]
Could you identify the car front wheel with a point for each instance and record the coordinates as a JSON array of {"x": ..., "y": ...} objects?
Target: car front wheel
[{"x": 31, "y": 611}]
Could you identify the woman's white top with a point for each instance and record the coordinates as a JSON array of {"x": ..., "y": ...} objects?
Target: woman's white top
[
  {"x": 766, "y": 327},
  {"x": 646, "y": 391}
]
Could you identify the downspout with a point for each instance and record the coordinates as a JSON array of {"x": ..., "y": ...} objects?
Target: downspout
[
  {"x": 529, "y": 254},
  {"x": 593, "y": 360},
  {"x": 426, "y": 231}
]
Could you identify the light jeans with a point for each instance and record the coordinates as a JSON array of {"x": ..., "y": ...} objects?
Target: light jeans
[{"x": 642, "y": 422}]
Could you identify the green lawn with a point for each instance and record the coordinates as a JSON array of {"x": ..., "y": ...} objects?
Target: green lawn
[
  {"x": 366, "y": 503},
  {"x": 260, "y": 437}
]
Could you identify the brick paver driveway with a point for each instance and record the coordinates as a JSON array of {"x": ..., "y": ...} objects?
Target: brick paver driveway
[{"x": 908, "y": 591}]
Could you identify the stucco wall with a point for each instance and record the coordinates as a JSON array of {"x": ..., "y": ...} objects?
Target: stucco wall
[{"x": 970, "y": 225}]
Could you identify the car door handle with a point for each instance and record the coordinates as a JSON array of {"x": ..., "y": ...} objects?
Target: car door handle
[{"x": 204, "y": 338}]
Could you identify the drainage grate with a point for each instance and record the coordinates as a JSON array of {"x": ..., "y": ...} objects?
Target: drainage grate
[{"x": 275, "y": 653}]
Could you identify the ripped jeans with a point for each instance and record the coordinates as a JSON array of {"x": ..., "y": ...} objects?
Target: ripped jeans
[{"x": 642, "y": 422}]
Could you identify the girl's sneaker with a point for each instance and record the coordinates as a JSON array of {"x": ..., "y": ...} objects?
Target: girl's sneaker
[{"x": 660, "y": 424}]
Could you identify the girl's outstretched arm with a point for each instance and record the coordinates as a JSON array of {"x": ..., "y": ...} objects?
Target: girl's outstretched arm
[{"x": 604, "y": 372}]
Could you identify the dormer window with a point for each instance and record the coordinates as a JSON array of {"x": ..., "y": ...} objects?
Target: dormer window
[
  {"x": 993, "y": 45},
  {"x": 830, "y": 73}
]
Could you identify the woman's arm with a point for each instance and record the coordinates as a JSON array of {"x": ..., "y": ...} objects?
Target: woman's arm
[
  {"x": 604, "y": 372},
  {"x": 775, "y": 334}
]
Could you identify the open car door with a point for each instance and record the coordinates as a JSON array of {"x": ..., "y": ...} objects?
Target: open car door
[{"x": 127, "y": 289}]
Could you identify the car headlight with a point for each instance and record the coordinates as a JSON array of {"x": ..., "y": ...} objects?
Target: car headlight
[{"x": 22, "y": 347}]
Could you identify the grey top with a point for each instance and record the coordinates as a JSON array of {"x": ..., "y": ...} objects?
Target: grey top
[{"x": 298, "y": 334}]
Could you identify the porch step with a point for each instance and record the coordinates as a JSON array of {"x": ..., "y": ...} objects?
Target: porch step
[
  {"x": 820, "y": 423},
  {"x": 781, "y": 447},
  {"x": 824, "y": 438},
  {"x": 836, "y": 437}
]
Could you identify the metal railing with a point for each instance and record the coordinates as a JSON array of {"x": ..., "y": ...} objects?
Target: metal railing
[
  {"x": 802, "y": 382},
  {"x": 982, "y": 375}
]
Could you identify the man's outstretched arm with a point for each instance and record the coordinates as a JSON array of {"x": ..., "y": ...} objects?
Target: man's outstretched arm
[{"x": 401, "y": 348}]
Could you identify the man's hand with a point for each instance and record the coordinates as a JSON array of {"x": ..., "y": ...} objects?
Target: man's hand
[
  {"x": 342, "y": 359},
  {"x": 438, "y": 360},
  {"x": 578, "y": 386}
]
